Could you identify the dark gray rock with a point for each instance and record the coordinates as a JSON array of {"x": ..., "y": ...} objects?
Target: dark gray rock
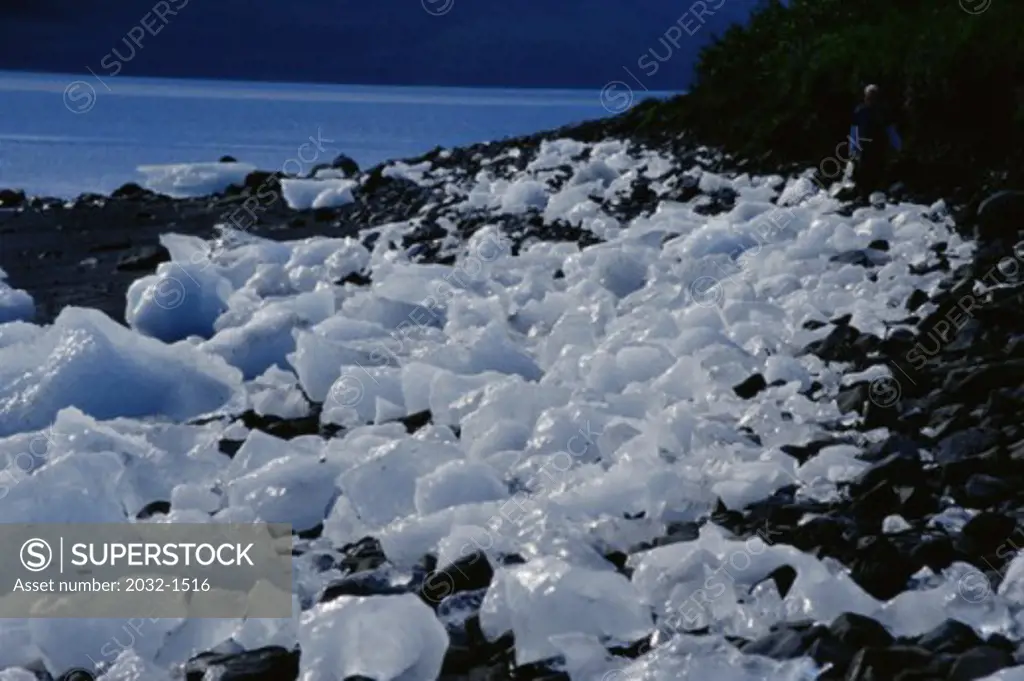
[
  {"x": 886, "y": 664},
  {"x": 468, "y": 573},
  {"x": 362, "y": 556},
  {"x": 870, "y": 508},
  {"x": 229, "y": 447},
  {"x": 916, "y": 299},
  {"x": 131, "y": 191},
  {"x": 687, "y": 189},
  {"x": 804, "y": 453},
  {"x": 750, "y": 387},
  {"x": 935, "y": 552},
  {"x": 965, "y": 443},
  {"x": 469, "y": 651},
  {"x": 984, "y": 378},
  {"x": 263, "y": 184},
  {"x": 356, "y": 279},
  {"x": 289, "y": 428},
  {"x": 952, "y": 636},
  {"x": 786, "y": 642},
  {"x": 1000, "y": 216},
  {"x": 414, "y": 422},
  {"x": 822, "y": 532},
  {"x": 144, "y": 259},
  {"x": 844, "y": 344},
  {"x": 154, "y": 508},
  {"x": 369, "y": 583},
  {"x": 11, "y": 198},
  {"x": 1001, "y": 642},
  {"x": 853, "y": 398},
  {"x": 827, "y": 651},
  {"x": 985, "y": 533},
  {"x": 784, "y": 576},
  {"x": 880, "y": 568},
  {"x": 982, "y": 491},
  {"x": 858, "y": 631},
  {"x": 980, "y": 662},
  {"x": 346, "y": 165},
  {"x": 906, "y": 447},
  {"x": 676, "y": 532},
  {"x": 896, "y": 469},
  {"x": 719, "y": 201},
  {"x": 863, "y": 257},
  {"x": 271, "y": 663}
]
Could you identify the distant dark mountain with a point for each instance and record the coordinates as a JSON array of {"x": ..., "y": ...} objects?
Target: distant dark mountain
[{"x": 499, "y": 43}]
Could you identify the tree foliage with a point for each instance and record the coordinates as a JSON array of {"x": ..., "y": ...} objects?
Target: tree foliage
[{"x": 787, "y": 82}]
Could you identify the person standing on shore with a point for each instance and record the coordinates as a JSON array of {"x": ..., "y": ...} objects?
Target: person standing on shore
[{"x": 871, "y": 125}]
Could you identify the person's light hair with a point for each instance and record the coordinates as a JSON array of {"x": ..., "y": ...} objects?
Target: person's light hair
[{"x": 870, "y": 90}]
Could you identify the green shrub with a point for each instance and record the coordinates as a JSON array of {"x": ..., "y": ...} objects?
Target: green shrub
[{"x": 788, "y": 81}]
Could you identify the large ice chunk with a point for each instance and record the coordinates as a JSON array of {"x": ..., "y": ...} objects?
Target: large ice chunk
[
  {"x": 383, "y": 487},
  {"x": 295, "y": 489},
  {"x": 457, "y": 483},
  {"x": 88, "y": 361},
  {"x": 385, "y": 638},
  {"x": 547, "y": 597},
  {"x": 15, "y": 304},
  {"x": 182, "y": 299},
  {"x": 305, "y": 194},
  {"x": 194, "y": 179},
  {"x": 67, "y": 643},
  {"x": 266, "y": 339}
]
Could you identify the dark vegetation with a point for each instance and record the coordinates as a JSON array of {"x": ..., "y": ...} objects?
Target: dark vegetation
[{"x": 780, "y": 90}]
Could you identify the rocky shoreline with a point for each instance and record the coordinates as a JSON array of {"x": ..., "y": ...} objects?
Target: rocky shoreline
[
  {"x": 87, "y": 251},
  {"x": 946, "y": 385},
  {"x": 950, "y": 402}
]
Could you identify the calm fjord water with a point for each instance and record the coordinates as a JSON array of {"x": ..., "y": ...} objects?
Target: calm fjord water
[{"x": 64, "y": 135}]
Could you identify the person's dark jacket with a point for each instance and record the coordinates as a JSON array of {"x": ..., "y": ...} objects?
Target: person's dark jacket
[{"x": 870, "y": 125}]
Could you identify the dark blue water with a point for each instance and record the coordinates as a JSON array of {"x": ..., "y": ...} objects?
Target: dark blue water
[{"x": 66, "y": 135}]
